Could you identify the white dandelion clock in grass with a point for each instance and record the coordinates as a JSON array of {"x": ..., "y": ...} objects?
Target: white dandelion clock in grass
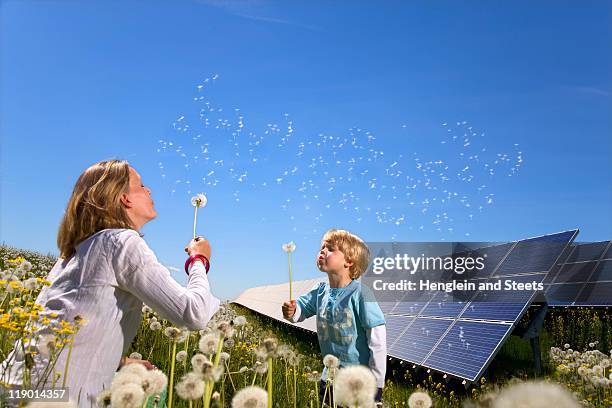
[
  {"x": 535, "y": 395},
  {"x": 123, "y": 378},
  {"x": 181, "y": 356},
  {"x": 154, "y": 382},
  {"x": 134, "y": 369},
  {"x": 250, "y": 397},
  {"x": 209, "y": 343},
  {"x": 198, "y": 201},
  {"x": 197, "y": 362},
  {"x": 127, "y": 396},
  {"x": 136, "y": 356},
  {"x": 155, "y": 326},
  {"x": 46, "y": 345},
  {"x": 331, "y": 362},
  {"x": 419, "y": 399},
  {"x": 175, "y": 334},
  {"x": 355, "y": 386},
  {"x": 190, "y": 388},
  {"x": 103, "y": 399},
  {"x": 240, "y": 321},
  {"x": 289, "y": 248}
]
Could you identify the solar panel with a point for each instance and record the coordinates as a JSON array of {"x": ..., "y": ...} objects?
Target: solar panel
[
  {"x": 396, "y": 325},
  {"x": 466, "y": 348},
  {"x": 459, "y": 332},
  {"x": 583, "y": 277},
  {"x": 418, "y": 339},
  {"x": 603, "y": 272},
  {"x": 608, "y": 254},
  {"x": 587, "y": 252}
]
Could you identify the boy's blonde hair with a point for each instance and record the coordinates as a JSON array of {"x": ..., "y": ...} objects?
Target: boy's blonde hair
[
  {"x": 95, "y": 204},
  {"x": 353, "y": 248}
]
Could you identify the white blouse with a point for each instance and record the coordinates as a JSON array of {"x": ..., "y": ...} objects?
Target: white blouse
[{"x": 106, "y": 282}]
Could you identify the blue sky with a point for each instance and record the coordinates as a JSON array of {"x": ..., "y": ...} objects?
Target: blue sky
[{"x": 424, "y": 85}]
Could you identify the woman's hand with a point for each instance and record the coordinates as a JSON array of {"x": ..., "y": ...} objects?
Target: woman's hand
[{"x": 198, "y": 246}]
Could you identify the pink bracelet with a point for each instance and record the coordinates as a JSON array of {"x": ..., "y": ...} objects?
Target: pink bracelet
[{"x": 195, "y": 257}]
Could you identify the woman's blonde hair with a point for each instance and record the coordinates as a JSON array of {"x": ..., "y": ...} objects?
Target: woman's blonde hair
[
  {"x": 353, "y": 248},
  {"x": 95, "y": 204}
]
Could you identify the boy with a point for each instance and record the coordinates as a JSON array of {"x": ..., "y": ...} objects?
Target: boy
[{"x": 350, "y": 324}]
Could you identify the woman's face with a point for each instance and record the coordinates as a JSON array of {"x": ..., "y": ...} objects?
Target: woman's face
[{"x": 138, "y": 203}]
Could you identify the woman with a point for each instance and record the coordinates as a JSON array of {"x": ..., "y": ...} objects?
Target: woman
[{"x": 104, "y": 274}]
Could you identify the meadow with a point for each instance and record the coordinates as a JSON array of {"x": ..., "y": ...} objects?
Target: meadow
[{"x": 242, "y": 359}]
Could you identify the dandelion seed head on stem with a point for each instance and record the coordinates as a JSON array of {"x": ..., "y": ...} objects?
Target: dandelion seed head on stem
[
  {"x": 181, "y": 356},
  {"x": 127, "y": 396},
  {"x": 355, "y": 386},
  {"x": 190, "y": 387},
  {"x": 250, "y": 397},
  {"x": 154, "y": 382},
  {"x": 419, "y": 399},
  {"x": 208, "y": 343}
]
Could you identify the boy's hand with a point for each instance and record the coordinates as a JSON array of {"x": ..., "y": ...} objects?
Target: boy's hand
[{"x": 289, "y": 309}]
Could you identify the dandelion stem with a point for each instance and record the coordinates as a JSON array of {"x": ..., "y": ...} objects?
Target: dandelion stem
[
  {"x": 171, "y": 386},
  {"x": 67, "y": 361},
  {"x": 269, "y": 382},
  {"x": 229, "y": 374},
  {"x": 186, "y": 351},
  {"x": 210, "y": 384},
  {"x": 295, "y": 387},
  {"x": 195, "y": 217},
  {"x": 290, "y": 276}
]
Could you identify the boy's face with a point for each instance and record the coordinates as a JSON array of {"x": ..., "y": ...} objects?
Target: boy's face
[{"x": 331, "y": 259}]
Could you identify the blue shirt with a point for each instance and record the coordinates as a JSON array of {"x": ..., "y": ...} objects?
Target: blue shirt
[{"x": 343, "y": 316}]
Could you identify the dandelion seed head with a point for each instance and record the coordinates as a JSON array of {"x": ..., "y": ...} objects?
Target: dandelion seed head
[
  {"x": 199, "y": 201},
  {"x": 250, "y": 397},
  {"x": 190, "y": 387},
  {"x": 175, "y": 334},
  {"x": 419, "y": 399},
  {"x": 240, "y": 321},
  {"x": 355, "y": 386},
  {"x": 289, "y": 247},
  {"x": 260, "y": 367},
  {"x": 127, "y": 396},
  {"x": 134, "y": 369},
  {"x": 181, "y": 356},
  {"x": 123, "y": 378},
  {"x": 330, "y": 361},
  {"x": 208, "y": 343},
  {"x": 225, "y": 328},
  {"x": 535, "y": 394},
  {"x": 198, "y": 360},
  {"x": 154, "y": 382},
  {"x": 46, "y": 344},
  {"x": 136, "y": 356},
  {"x": 103, "y": 399}
]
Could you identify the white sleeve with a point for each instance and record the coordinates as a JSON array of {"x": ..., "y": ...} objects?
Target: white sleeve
[
  {"x": 138, "y": 271},
  {"x": 377, "y": 343},
  {"x": 297, "y": 315}
]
